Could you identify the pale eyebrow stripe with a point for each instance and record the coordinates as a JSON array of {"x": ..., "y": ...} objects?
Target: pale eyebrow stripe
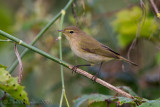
[{"x": 68, "y": 30}]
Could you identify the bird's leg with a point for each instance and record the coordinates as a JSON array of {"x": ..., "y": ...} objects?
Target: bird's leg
[
  {"x": 77, "y": 66},
  {"x": 95, "y": 76}
]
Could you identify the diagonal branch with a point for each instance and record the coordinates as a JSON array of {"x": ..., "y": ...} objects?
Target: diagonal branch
[{"x": 79, "y": 71}]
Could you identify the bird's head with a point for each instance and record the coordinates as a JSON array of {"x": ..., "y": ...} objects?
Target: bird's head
[{"x": 71, "y": 31}]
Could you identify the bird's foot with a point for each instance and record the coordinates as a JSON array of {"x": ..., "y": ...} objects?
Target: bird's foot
[
  {"x": 74, "y": 68},
  {"x": 94, "y": 77}
]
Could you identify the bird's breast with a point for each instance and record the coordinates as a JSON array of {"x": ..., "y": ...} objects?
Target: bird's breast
[{"x": 90, "y": 57}]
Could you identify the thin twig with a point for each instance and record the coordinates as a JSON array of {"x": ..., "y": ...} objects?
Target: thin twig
[
  {"x": 155, "y": 8},
  {"x": 74, "y": 13},
  {"x": 82, "y": 72},
  {"x": 65, "y": 96},
  {"x": 61, "y": 100},
  {"x": 142, "y": 19},
  {"x": 20, "y": 64}
]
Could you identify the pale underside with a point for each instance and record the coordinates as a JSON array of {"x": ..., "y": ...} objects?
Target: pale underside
[{"x": 90, "y": 57}]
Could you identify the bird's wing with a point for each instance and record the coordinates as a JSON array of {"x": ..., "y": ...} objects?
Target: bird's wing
[{"x": 93, "y": 46}]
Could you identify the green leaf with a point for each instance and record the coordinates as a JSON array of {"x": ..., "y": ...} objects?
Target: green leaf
[
  {"x": 126, "y": 25},
  {"x": 102, "y": 104},
  {"x": 123, "y": 100},
  {"x": 10, "y": 85},
  {"x": 2, "y": 66},
  {"x": 95, "y": 99},
  {"x": 151, "y": 103},
  {"x": 99, "y": 104}
]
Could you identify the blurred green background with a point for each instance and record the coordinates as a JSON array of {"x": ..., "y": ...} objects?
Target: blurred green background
[{"x": 112, "y": 22}]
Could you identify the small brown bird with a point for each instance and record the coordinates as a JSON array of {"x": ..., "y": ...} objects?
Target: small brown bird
[{"x": 89, "y": 48}]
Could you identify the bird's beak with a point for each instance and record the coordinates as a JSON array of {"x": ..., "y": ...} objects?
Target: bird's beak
[{"x": 61, "y": 31}]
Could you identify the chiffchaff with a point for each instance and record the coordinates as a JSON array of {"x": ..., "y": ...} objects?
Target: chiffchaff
[{"x": 89, "y": 48}]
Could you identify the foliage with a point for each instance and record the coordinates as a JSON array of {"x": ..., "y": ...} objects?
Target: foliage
[
  {"x": 103, "y": 100},
  {"x": 151, "y": 103},
  {"x": 127, "y": 22},
  {"x": 10, "y": 85},
  {"x": 99, "y": 100}
]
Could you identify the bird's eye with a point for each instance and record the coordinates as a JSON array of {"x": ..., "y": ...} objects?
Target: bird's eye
[{"x": 71, "y": 32}]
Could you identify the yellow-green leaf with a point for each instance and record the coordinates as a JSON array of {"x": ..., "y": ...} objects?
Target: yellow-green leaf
[
  {"x": 10, "y": 85},
  {"x": 127, "y": 23}
]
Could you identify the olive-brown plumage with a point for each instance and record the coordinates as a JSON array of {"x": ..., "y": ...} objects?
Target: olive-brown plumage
[{"x": 89, "y": 48}]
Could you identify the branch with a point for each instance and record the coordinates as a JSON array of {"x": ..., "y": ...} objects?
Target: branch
[
  {"x": 40, "y": 34},
  {"x": 82, "y": 72},
  {"x": 155, "y": 8}
]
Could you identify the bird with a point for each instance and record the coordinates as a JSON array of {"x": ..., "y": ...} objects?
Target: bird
[{"x": 89, "y": 49}]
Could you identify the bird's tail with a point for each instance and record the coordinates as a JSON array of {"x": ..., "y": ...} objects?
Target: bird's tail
[{"x": 120, "y": 57}]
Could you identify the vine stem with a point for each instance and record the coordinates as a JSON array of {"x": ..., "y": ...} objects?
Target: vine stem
[
  {"x": 5, "y": 40},
  {"x": 40, "y": 34},
  {"x": 60, "y": 55},
  {"x": 79, "y": 71}
]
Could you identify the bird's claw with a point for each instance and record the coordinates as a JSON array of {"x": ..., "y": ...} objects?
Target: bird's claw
[
  {"x": 94, "y": 77},
  {"x": 74, "y": 69}
]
